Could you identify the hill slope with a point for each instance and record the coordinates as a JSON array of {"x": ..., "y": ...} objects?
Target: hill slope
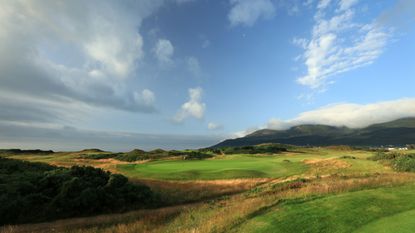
[{"x": 399, "y": 132}]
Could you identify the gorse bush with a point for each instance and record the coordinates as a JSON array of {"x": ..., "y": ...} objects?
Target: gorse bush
[
  {"x": 398, "y": 161},
  {"x": 196, "y": 155},
  {"x": 98, "y": 156},
  {"x": 384, "y": 156},
  {"x": 258, "y": 149},
  {"x": 31, "y": 192},
  {"x": 404, "y": 163}
]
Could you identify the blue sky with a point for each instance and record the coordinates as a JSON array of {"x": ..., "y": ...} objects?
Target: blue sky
[{"x": 189, "y": 73}]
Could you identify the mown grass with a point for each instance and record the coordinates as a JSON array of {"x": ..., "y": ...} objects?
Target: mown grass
[
  {"x": 339, "y": 213},
  {"x": 402, "y": 222},
  {"x": 229, "y": 167}
]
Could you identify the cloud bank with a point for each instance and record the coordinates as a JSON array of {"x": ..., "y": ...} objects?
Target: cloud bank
[
  {"x": 351, "y": 115},
  {"x": 69, "y": 139},
  {"x": 60, "y": 57},
  {"x": 214, "y": 126}
]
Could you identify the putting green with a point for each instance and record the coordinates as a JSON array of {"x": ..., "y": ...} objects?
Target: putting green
[{"x": 229, "y": 167}]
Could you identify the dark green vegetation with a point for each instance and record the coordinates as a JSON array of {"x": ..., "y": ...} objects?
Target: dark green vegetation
[
  {"x": 140, "y": 155},
  {"x": 398, "y": 133},
  {"x": 399, "y": 161},
  {"x": 37, "y": 192},
  {"x": 270, "y": 148},
  {"x": 19, "y": 152}
]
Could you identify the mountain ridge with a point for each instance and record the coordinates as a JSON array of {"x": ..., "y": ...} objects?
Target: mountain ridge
[{"x": 397, "y": 132}]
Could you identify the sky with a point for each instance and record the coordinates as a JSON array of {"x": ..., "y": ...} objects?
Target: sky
[{"x": 177, "y": 74}]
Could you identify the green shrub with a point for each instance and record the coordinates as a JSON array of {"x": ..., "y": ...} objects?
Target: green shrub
[
  {"x": 384, "y": 156},
  {"x": 98, "y": 156},
  {"x": 31, "y": 192},
  {"x": 269, "y": 148},
  {"x": 404, "y": 163},
  {"x": 196, "y": 155}
]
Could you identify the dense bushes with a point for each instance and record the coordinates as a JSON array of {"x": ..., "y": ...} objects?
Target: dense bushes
[
  {"x": 404, "y": 163},
  {"x": 31, "y": 192},
  {"x": 191, "y": 155},
  {"x": 136, "y": 155},
  {"x": 258, "y": 149},
  {"x": 19, "y": 152},
  {"x": 398, "y": 161},
  {"x": 384, "y": 156},
  {"x": 98, "y": 156}
]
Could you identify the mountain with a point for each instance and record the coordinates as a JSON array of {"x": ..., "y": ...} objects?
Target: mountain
[{"x": 398, "y": 133}]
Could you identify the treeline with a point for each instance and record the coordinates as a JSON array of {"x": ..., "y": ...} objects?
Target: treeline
[
  {"x": 19, "y": 151},
  {"x": 271, "y": 148},
  {"x": 32, "y": 192},
  {"x": 398, "y": 161}
]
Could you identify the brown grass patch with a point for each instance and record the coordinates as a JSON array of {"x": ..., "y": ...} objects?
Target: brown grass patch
[
  {"x": 191, "y": 191},
  {"x": 146, "y": 219},
  {"x": 325, "y": 166}
]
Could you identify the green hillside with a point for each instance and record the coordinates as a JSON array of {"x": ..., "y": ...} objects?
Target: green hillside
[{"x": 398, "y": 133}]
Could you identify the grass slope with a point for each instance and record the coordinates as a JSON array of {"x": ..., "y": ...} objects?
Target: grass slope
[{"x": 373, "y": 210}]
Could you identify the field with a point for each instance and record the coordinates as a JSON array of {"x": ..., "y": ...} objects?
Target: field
[{"x": 302, "y": 190}]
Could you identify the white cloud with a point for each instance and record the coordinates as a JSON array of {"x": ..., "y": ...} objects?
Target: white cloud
[
  {"x": 214, "y": 126},
  {"x": 300, "y": 42},
  {"x": 146, "y": 97},
  {"x": 247, "y": 12},
  {"x": 243, "y": 133},
  {"x": 71, "y": 53},
  {"x": 339, "y": 44},
  {"x": 346, "y": 4},
  {"x": 323, "y": 4},
  {"x": 351, "y": 115},
  {"x": 194, "y": 107},
  {"x": 193, "y": 66},
  {"x": 117, "y": 55},
  {"x": 164, "y": 51}
]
